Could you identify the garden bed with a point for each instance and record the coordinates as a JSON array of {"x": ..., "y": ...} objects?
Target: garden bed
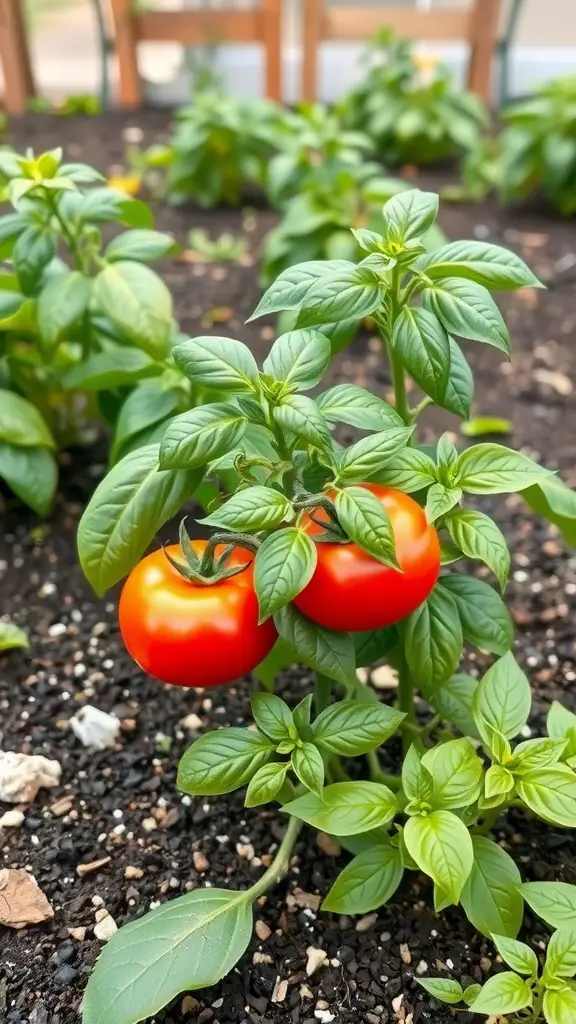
[{"x": 82, "y": 660}]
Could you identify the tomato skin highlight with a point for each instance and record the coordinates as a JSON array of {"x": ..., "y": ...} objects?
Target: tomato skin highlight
[
  {"x": 352, "y": 591},
  {"x": 189, "y": 634}
]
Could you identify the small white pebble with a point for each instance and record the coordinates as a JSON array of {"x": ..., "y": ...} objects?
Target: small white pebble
[
  {"x": 57, "y": 629},
  {"x": 97, "y": 901},
  {"x": 422, "y": 967},
  {"x": 324, "y": 1015},
  {"x": 11, "y": 819},
  {"x": 47, "y": 589},
  {"x": 366, "y": 923},
  {"x": 117, "y": 813},
  {"x": 449, "y": 964}
]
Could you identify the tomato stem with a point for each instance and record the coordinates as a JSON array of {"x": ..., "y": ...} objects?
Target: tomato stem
[
  {"x": 322, "y": 692},
  {"x": 406, "y": 700}
]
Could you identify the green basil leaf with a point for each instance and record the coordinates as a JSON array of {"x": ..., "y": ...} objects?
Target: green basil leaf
[
  {"x": 440, "y": 500},
  {"x": 221, "y": 761},
  {"x": 478, "y": 537},
  {"x": 459, "y": 391},
  {"x": 197, "y": 437},
  {"x": 367, "y": 883},
  {"x": 353, "y": 727},
  {"x": 266, "y": 784},
  {"x": 454, "y": 699},
  {"x": 142, "y": 245},
  {"x": 433, "y": 640},
  {"x": 505, "y": 993},
  {"x": 423, "y": 345},
  {"x": 410, "y": 214},
  {"x": 62, "y": 301},
  {"x": 467, "y": 310},
  {"x": 502, "y": 700},
  {"x": 349, "y": 293},
  {"x": 561, "y": 954},
  {"x": 32, "y": 473},
  {"x": 272, "y": 716},
  {"x": 471, "y": 993},
  {"x": 11, "y": 636},
  {"x": 347, "y": 808},
  {"x": 21, "y": 424},
  {"x": 253, "y": 509},
  {"x": 347, "y": 403},
  {"x": 33, "y": 251},
  {"x": 365, "y": 458},
  {"x": 114, "y": 368},
  {"x": 554, "y": 902},
  {"x": 497, "y": 784},
  {"x": 491, "y": 897},
  {"x": 366, "y": 522},
  {"x": 125, "y": 512},
  {"x": 411, "y": 470},
  {"x": 301, "y": 416},
  {"x": 560, "y": 1006},
  {"x": 138, "y": 302},
  {"x": 373, "y": 644},
  {"x": 486, "y": 264},
  {"x": 325, "y": 650},
  {"x": 517, "y": 955},
  {"x": 553, "y": 500},
  {"x": 100, "y": 205},
  {"x": 417, "y": 782},
  {"x": 539, "y": 753},
  {"x": 370, "y": 241},
  {"x": 284, "y": 565},
  {"x": 146, "y": 406},
  {"x": 457, "y": 772},
  {"x": 494, "y": 469},
  {"x": 186, "y": 944},
  {"x": 299, "y": 359},
  {"x": 291, "y": 287},
  {"x": 444, "y": 989},
  {"x": 550, "y": 793},
  {"x": 561, "y": 724},
  {"x": 221, "y": 364},
  {"x": 441, "y": 846},
  {"x": 486, "y": 621},
  {"x": 308, "y": 765}
]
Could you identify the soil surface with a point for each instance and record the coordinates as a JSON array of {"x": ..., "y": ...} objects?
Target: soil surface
[{"x": 121, "y": 805}]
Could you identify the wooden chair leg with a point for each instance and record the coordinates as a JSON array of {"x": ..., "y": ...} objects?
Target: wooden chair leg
[
  {"x": 126, "y": 46},
  {"x": 486, "y": 21},
  {"x": 312, "y": 13},
  {"x": 272, "y": 40},
  {"x": 15, "y": 57}
]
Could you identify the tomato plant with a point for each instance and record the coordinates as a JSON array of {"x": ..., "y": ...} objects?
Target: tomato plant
[{"x": 264, "y": 455}]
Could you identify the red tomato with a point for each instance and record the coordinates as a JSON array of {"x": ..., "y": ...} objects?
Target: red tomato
[
  {"x": 350, "y": 590},
  {"x": 190, "y": 634}
]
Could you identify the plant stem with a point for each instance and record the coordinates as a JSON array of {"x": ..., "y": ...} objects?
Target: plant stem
[
  {"x": 406, "y": 700},
  {"x": 399, "y": 385},
  {"x": 376, "y": 773},
  {"x": 67, "y": 233},
  {"x": 490, "y": 819},
  {"x": 280, "y": 865},
  {"x": 322, "y": 692}
]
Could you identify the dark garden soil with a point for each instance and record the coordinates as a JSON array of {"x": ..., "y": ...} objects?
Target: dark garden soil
[{"x": 122, "y": 804}]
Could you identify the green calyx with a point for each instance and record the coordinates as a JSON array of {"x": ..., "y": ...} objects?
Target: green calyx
[{"x": 208, "y": 569}]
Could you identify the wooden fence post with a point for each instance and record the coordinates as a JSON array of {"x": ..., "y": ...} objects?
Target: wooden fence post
[
  {"x": 15, "y": 57},
  {"x": 485, "y": 25},
  {"x": 126, "y": 48},
  {"x": 272, "y": 41}
]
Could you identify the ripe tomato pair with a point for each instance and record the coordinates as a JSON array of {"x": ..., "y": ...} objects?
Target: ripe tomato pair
[{"x": 191, "y": 634}]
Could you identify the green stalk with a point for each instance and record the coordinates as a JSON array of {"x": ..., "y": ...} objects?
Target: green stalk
[
  {"x": 377, "y": 775},
  {"x": 399, "y": 385},
  {"x": 322, "y": 692},
  {"x": 406, "y": 703},
  {"x": 279, "y": 866}
]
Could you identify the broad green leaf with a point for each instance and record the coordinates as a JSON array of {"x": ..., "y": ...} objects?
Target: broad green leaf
[
  {"x": 142, "y": 245},
  {"x": 502, "y": 700},
  {"x": 372, "y": 645},
  {"x": 460, "y": 386},
  {"x": 284, "y": 565},
  {"x": 423, "y": 345},
  {"x": 147, "y": 405},
  {"x": 220, "y": 364},
  {"x": 497, "y": 784},
  {"x": 478, "y": 537},
  {"x": 325, "y": 650},
  {"x": 266, "y": 784},
  {"x": 309, "y": 767},
  {"x": 10, "y": 302},
  {"x": 291, "y": 287},
  {"x": 467, "y": 310},
  {"x": 560, "y": 1006},
  {"x": 197, "y": 437},
  {"x": 517, "y": 955},
  {"x": 367, "y": 883},
  {"x": 221, "y": 761},
  {"x": 126, "y": 510},
  {"x": 347, "y": 808},
  {"x": 120, "y": 367},
  {"x": 441, "y": 845},
  {"x": 32, "y": 252},
  {"x": 410, "y": 214},
  {"x": 554, "y": 902},
  {"x": 352, "y": 727},
  {"x": 417, "y": 782},
  {"x": 138, "y": 302},
  {"x": 411, "y": 470},
  {"x": 32, "y": 473},
  {"x": 349, "y": 293},
  {"x": 62, "y": 301},
  {"x": 480, "y": 425},
  {"x": 486, "y": 264},
  {"x": 561, "y": 724},
  {"x": 539, "y": 753},
  {"x": 457, "y": 772},
  {"x": 365, "y": 458},
  {"x": 433, "y": 640},
  {"x": 186, "y": 944},
  {"x": 253, "y": 509},
  {"x": 365, "y": 520},
  {"x": 494, "y": 469},
  {"x": 299, "y": 359},
  {"x": 550, "y": 793},
  {"x": 491, "y": 896},
  {"x": 486, "y": 621},
  {"x": 368, "y": 240},
  {"x": 454, "y": 699},
  {"x": 553, "y": 500},
  {"x": 347, "y": 403},
  {"x": 272, "y": 716},
  {"x": 561, "y": 953},
  {"x": 504, "y": 993},
  {"x": 21, "y": 424},
  {"x": 301, "y": 416},
  {"x": 11, "y": 636},
  {"x": 471, "y": 993},
  {"x": 440, "y": 500},
  {"x": 444, "y": 989},
  {"x": 100, "y": 205}
]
